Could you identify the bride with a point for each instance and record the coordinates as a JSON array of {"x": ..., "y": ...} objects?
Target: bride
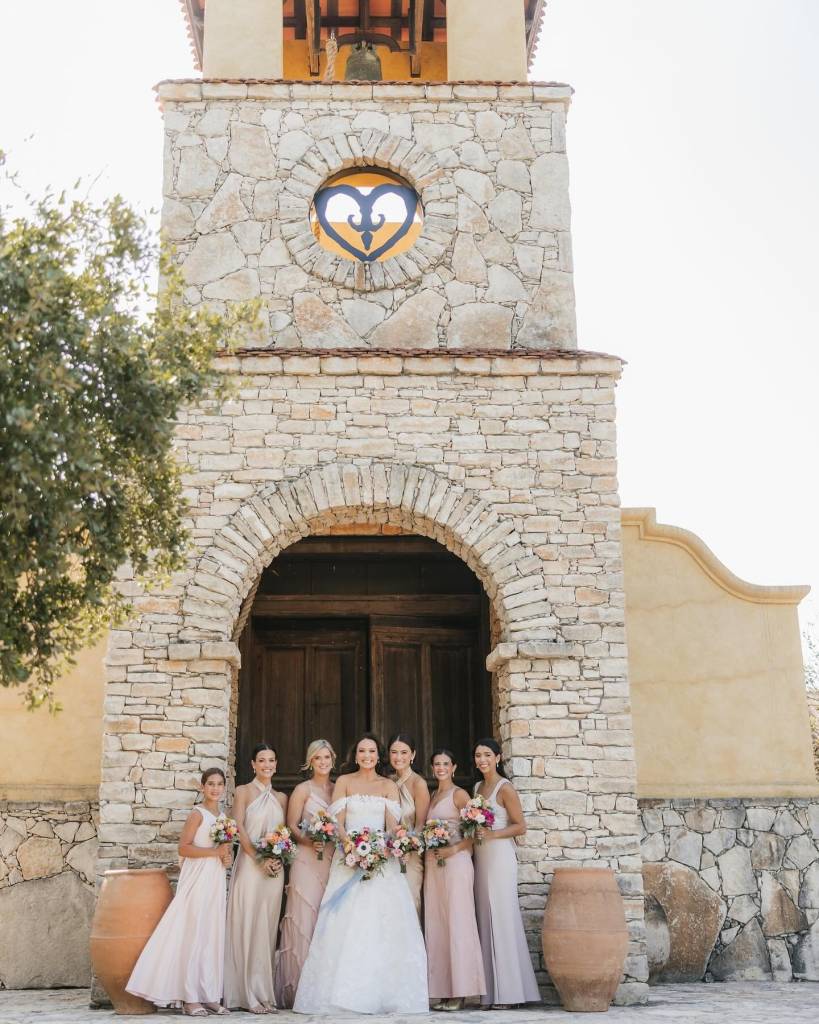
[{"x": 367, "y": 953}]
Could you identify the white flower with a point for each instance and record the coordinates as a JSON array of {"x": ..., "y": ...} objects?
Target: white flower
[{"x": 364, "y": 849}]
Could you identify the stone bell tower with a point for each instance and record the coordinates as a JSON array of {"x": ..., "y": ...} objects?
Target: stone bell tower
[{"x": 418, "y": 372}]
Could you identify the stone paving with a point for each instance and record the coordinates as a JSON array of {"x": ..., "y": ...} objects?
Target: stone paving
[{"x": 737, "y": 1003}]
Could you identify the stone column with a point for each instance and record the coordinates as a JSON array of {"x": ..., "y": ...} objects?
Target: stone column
[
  {"x": 566, "y": 733},
  {"x": 243, "y": 39}
]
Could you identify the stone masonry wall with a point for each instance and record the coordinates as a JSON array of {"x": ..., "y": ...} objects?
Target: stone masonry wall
[
  {"x": 751, "y": 867},
  {"x": 492, "y": 269},
  {"x": 509, "y": 462},
  {"x": 48, "y": 854}
]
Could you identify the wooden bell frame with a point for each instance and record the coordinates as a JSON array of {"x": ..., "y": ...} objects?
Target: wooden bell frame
[{"x": 420, "y": 27}]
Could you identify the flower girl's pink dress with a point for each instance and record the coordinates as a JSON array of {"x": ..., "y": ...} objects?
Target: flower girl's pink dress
[{"x": 183, "y": 960}]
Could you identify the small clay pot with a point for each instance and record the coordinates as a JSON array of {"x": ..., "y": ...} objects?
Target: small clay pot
[
  {"x": 129, "y": 907},
  {"x": 585, "y": 938}
]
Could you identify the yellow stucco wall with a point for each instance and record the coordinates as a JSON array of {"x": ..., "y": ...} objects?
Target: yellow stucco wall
[
  {"x": 716, "y": 673},
  {"x": 55, "y": 757}
]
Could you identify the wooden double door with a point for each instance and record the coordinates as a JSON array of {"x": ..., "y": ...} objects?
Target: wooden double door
[{"x": 331, "y": 678}]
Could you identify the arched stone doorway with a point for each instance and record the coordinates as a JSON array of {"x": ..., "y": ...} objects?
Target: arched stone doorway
[{"x": 365, "y": 630}]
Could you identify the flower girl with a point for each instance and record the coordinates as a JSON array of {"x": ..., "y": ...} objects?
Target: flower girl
[{"x": 183, "y": 961}]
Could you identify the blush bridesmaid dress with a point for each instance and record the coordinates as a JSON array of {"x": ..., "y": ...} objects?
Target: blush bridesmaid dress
[
  {"x": 183, "y": 959},
  {"x": 414, "y": 876},
  {"x": 308, "y": 880},
  {"x": 254, "y": 907},
  {"x": 451, "y": 931},
  {"x": 510, "y": 978}
]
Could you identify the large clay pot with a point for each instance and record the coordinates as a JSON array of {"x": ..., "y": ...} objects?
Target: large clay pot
[
  {"x": 585, "y": 938},
  {"x": 129, "y": 907}
]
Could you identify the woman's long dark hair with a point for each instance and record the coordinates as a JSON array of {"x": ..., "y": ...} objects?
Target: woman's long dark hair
[
  {"x": 350, "y": 765},
  {"x": 494, "y": 746}
]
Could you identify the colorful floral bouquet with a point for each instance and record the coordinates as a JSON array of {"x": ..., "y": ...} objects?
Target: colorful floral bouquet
[
  {"x": 322, "y": 828},
  {"x": 475, "y": 817},
  {"x": 276, "y": 845},
  {"x": 436, "y": 835},
  {"x": 366, "y": 850},
  {"x": 401, "y": 843},
  {"x": 224, "y": 830}
]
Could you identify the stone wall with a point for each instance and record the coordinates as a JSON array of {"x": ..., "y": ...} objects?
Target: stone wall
[
  {"x": 508, "y": 461},
  {"x": 492, "y": 269},
  {"x": 48, "y": 854},
  {"x": 732, "y": 888}
]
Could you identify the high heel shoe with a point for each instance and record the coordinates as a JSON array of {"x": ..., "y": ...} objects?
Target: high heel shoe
[{"x": 194, "y": 1010}]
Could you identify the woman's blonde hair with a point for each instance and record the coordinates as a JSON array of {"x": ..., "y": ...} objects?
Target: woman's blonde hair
[{"x": 313, "y": 749}]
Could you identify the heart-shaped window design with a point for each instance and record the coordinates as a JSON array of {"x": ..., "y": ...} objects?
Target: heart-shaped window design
[{"x": 366, "y": 215}]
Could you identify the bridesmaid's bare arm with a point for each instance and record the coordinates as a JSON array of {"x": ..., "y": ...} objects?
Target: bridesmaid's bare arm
[
  {"x": 186, "y": 847},
  {"x": 420, "y": 794},
  {"x": 508, "y": 798},
  {"x": 237, "y": 812},
  {"x": 295, "y": 812},
  {"x": 390, "y": 791}
]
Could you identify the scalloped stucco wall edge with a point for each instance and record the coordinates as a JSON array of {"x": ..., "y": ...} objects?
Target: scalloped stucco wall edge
[{"x": 645, "y": 521}]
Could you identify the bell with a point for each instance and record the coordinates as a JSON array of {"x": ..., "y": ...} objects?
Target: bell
[{"x": 363, "y": 64}]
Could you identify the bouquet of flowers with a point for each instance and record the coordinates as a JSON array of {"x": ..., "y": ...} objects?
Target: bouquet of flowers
[
  {"x": 475, "y": 817},
  {"x": 402, "y": 843},
  {"x": 366, "y": 850},
  {"x": 224, "y": 830},
  {"x": 322, "y": 828},
  {"x": 436, "y": 835},
  {"x": 276, "y": 845}
]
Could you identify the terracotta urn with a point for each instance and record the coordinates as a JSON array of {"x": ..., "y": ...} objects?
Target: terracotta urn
[
  {"x": 585, "y": 938},
  {"x": 129, "y": 907}
]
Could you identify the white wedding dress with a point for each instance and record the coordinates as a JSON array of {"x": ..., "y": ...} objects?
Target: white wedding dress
[{"x": 367, "y": 954}]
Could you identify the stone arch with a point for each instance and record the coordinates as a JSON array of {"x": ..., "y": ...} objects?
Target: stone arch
[
  {"x": 419, "y": 500},
  {"x": 370, "y": 148}
]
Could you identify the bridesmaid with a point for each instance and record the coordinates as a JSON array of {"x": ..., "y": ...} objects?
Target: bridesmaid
[
  {"x": 414, "y": 798},
  {"x": 183, "y": 961},
  {"x": 255, "y": 897},
  {"x": 453, "y": 947},
  {"x": 510, "y": 979},
  {"x": 308, "y": 874}
]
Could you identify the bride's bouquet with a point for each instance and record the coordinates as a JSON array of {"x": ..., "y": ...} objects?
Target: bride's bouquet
[
  {"x": 322, "y": 828},
  {"x": 366, "y": 849},
  {"x": 436, "y": 835},
  {"x": 276, "y": 845},
  {"x": 476, "y": 816},
  {"x": 402, "y": 843},
  {"x": 224, "y": 830}
]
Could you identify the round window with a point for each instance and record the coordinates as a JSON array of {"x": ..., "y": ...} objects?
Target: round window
[{"x": 366, "y": 215}]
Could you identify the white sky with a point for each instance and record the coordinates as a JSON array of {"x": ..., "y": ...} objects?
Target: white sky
[{"x": 694, "y": 147}]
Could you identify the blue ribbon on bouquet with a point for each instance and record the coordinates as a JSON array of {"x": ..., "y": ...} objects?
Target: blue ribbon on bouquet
[{"x": 338, "y": 897}]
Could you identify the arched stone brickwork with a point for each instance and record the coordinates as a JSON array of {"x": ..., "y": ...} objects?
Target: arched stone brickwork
[
  {"x": 416, "y": 499},
  {"x": 370, "y": 148}
]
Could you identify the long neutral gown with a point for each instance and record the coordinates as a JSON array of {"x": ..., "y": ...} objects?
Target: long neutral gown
[
  {"x": 367, "y": 953},
  {"x": 308, "y": 880},
  {"x": 183, "y": 959},
  {"x": 414, "y": 876},
  {"x": 254, "y": 906},
  {"x": 450, "y": 927},
  {"x": 506, "y": 961}
]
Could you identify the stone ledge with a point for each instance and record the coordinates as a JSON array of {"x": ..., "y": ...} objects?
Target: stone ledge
[
  {"x": 196, "y": 89},
  {"x": 531, "y": 650}
]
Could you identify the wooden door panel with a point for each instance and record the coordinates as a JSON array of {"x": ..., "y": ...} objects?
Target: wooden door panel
[
  {"x": 300, "y": 685},
  {"x": 424, "y": 682}
]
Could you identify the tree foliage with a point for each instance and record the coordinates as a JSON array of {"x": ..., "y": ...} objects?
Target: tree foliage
[{"x": 93, "y": 371}]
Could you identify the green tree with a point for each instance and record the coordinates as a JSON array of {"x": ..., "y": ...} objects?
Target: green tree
[{"x": 93, "y": 371}]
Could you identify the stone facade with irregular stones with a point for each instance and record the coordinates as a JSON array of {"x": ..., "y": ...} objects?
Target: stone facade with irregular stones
[
  {"x": 509, "y": 461},
  {"x": 48, "y": 855},
  {"x": 493, "y": 266},
  {"x": 759, "y": 859}
]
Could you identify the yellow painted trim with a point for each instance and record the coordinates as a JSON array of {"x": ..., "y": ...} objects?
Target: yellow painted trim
[{"x": 645, "y": 520}]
